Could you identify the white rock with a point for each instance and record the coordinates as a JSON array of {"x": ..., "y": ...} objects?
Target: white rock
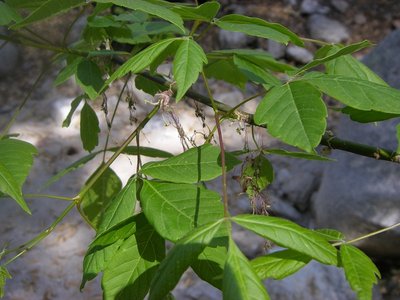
[{"x": 340, "y": 5}]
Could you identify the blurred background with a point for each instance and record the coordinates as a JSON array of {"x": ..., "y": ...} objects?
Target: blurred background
[{"x": 354, "y": 194}]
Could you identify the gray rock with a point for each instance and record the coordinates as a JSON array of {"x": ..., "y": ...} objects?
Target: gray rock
[
  {"x": 359, "y": 195},
  {"x": 340, "y": 5},
  {"x": 296, "y": 180},
  {"x": 314, "y": 282},
  {"x": 324, "y": 28},
  {"x": 299, "y": 54},
  {"x": 232, "y": 40},
  {"x": 9, "y": 56},
  {"x": 276, "y": 49},
  {"x": 313, "y": 7}
]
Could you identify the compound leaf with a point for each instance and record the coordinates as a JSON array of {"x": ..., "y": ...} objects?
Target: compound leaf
[
  {"x": 175, "y": 209},
  {"x": 290, "y": 235},
  {"x": 129, "y": 273},
  {"x": 334, "y": 53},
  {"x": 152, "y": 9},
  {"x": 16, "y": 159},
  {"x": 188, "y": 63},
  {"x": 295, "y": 113},
  {"x": 104, "y": 246},
  {"x": 240, "y": 281},
  {"x": 358, "y": 93},
  {"x": 89, "y": 78},
  {"x": 360, "y": 271},
  {"x": 141, "y": 60},
  {"x": 4, "y": 275},
  {"x": 192, "y": 166},
  {"x": 209, "y": 266},
  {"x": 121, "y": 207},
  {"x": 180, "y": 257},
  {"x": 89, "y": 128},
  {"x": 48, "y": 9},
  {"x": 204, "y": 12},
  {"x": 258, "y": 27},
  {"x": 96, "y": 199},
  {"x": 279, "y": 265}
]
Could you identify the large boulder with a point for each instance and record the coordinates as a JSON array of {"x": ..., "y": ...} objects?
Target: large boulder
[{"x": 358, "y": 194}]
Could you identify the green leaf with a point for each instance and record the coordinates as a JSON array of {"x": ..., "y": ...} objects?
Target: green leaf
[
  {"x": 175, "y": 209},
  {"x": 367, "y": 116},
  {"x": 335, "y": 53},
  {"x": 240, "y": 281},
  {"x": 16, "y": 159},
  {"x": 141, "y": 60},
  {"x": 89, "y": 78},
  {"x": 89, "y": 128},
  {"x": 254, "y": 72},
  {"x": 301, "y": 155},
  {"x": 129, "y": 273},
  {"x": 261, "y": 58},
  {"x": 222, "y": 70},
  {"x": 151, "y": 9},
  {"x": 358, "y": 93},
  {"x": 257, "y": 174},
  {"x": 32, "y": 4},
  {"x": 8, "y": 14},
  {"x": 96, "y": 199},
  {"x": 360, "y": 271},
  {"x": 290, "y": 235},
  {"x": 295, "y": 113},
  {"x": 209, "y": 266},
  {"x": 349, "y": 66},
  {"x": 331, "y": 235},
  {"x": 258, "y": 27},
  {"x": 104, "y": 246},
  {"x": 4, "y": 275},
  {"x": 180, "y": 257},
  {"x": 74, "y": 105},
  {"x": 130, "y": 150},
  {"x": 148, "y": 86},
  {"x": 69, "y": 70},
  {"x": 188, "y": 63},
  {"x": 194, "y": 165},
  {"x": 204, "y": 12},
  {"x": 48, "y": 9},
  {"x": 279, "y": 265},
  {"x": 121, "y": 207}
]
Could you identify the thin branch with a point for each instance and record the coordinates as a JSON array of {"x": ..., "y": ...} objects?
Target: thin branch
[
  {"x": 367, "y": 235},
  {"x": 327, "y": 139}
]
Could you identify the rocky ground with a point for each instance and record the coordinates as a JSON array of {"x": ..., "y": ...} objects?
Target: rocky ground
[{"x": 302, "y": 190}]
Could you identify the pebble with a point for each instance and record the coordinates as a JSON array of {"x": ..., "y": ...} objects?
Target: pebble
[
  {"x": 327, "y": 29},
  {"x": 340, "y": 5},
  {"x": 277, "y": 50},
  {"x": 313, "y": 6},
  {"x": 299, "y": 54}
]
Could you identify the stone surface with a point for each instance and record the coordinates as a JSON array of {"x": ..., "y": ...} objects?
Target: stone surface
[
  {"x": 313, "y": 7},
  {"x": 276, "y": 49},
  {"x": 299, "y": 54},
  {"x": 9, "y": 56},
  {"x": 340, "y": 5},
  {"x": 233, "y": 40},
  {"x": 359, "y": 195},
  {"x": 314, "y": 282},
  {"x": 327, "y": 29}
]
